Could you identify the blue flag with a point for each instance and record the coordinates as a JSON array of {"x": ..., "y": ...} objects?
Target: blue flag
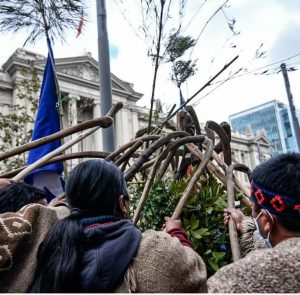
[
  {"x": 182, "y": 101},
  {"x": 46, "y": 123}
]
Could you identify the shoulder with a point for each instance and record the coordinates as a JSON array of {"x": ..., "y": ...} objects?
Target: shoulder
[
  {"x": 164, "y": 243},
  {"x": 60, "y": 206},
  {"x": 161, "y": 257},
  {"x": 21, "y": 233},
  {"x": 267, "y": 270}
]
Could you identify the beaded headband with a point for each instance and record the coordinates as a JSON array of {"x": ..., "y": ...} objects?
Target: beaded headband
[{"x": 275, "y": 203}]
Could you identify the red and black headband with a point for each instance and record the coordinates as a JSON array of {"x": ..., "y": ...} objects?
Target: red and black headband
[{"x": 275, "y": 203}]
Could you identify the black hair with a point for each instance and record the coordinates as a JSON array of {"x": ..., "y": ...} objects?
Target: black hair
[
  {"x": 92, "y": 189},
  {"x": 16, "y": 195},
  {"x": 281, "y": 175}
]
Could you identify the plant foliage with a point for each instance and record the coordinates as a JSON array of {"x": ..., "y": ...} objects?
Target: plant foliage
[
  {"x": 16, "y": 125},
  {"x": 50, "y": 18},
  {"x": 202, "y": 215},
  {"x": 176, "y": 47}
]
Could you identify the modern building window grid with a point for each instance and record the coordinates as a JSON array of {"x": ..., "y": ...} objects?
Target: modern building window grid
[{"x": 275, "y": 118}]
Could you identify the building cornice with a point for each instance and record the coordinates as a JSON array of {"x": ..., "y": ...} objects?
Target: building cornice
[{"x": 21, "y": 59}]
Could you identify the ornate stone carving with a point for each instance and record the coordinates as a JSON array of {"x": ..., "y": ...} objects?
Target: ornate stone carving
[{"x": 84, "y": 71}]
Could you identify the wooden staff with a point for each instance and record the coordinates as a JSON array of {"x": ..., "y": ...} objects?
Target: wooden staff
[
  {"x": 166, "y": 163},
  {"x": 193, "y": 181},
  {"x": 171, "y": 146},
  {"x": 150, "y": 150},
  {"x": 238, "y": 186},
  {"x": 56, "y": 152},
  {"x": 78, "y": 155},
  {"x": 103, "y": 122},
  {"x": 65, "y": 146},
  {"x": 129, "y": 153},
  {"x": 129, "y": 144},
  {"x": 233, "y": 236},
  {"x": 211, "y": 167},
  {"x": 223, "y": 139}
]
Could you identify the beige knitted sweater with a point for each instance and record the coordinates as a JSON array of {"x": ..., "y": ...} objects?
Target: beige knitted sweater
[
  {"x": 20, "y": 236},
  {"x": 163, "y": 265},
  {"x": 274, "y": 270}
]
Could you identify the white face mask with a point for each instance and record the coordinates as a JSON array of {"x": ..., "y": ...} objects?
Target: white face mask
[{"x": 266, "y": 241}]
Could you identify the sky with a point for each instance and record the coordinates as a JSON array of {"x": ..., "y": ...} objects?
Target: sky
[{"x": 273, "y": 23}]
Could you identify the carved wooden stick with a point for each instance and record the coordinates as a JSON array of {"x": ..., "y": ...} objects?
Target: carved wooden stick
[
  {"x": 171, "y": 146},
  {"x": 57, "y": 151},
  {"x": 221, "y": 176},
  {"x": 114, "y": 109},
  {"x": 223, "y": 138},
  {"x": 194, "y": 179},
  {"x": 233, "y": 236},
  {"x": 150, "y": 150},
  {"x": 125, "y": 163},
  {"x": 103, "y": 122},
  {"x": 127, "y": 145},
  {"x": 129, "y": 152},
  {"x": 87, "y": 154},
  {"x": 166, "y": 164},
  {"x": 146, "y": 165},
  {"x": 210, "y": 166},
  {"x": 65, "y": 146}
]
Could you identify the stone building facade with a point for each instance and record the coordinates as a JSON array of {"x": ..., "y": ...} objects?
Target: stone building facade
[
  {"x": 250, "y": 150},
  {"x": 79, "y": 85}
]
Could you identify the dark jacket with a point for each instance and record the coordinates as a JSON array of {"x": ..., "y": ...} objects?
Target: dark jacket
[{"x": 109, "y": 247}]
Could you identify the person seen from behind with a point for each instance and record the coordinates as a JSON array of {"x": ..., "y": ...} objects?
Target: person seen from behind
[
  {"x": 98, "y": 249},
  {"x": 25, "y": 218},
  {"x": 275, "y": 229}
]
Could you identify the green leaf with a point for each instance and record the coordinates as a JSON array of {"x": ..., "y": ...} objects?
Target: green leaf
[
  {"x": 196, "y": 234},
  {"x": 186, "y": 223},
  {"x": 200, "y": 232},
  {"x": 193, "y": 219},
  {"x": 192, "y": 200},
  {"x": 195, "y": 224},
  {"x": 209, "y": 210},
  {"x": 202, "y": 178},
  {"x": 218, "y": 255},
  {"x": 204, "y": 231},
  {"x": 213, "y": 265}
]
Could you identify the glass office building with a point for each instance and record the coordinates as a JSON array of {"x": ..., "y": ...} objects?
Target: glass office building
[{"x": 275, "y": 117}]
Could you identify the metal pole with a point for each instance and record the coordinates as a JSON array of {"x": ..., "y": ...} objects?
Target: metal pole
[
  {"x": 104, "y": 72},
  {"x": 291, "y": 103}
]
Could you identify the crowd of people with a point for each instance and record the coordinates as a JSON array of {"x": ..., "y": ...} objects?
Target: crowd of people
[{"x": 85, "y": 241}]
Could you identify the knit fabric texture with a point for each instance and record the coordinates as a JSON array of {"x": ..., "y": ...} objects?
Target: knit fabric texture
[
  {"x": 20, "y": 236},
  {"x": 163, "y": 265},
  {"x": 269, "y": 270},
  {"x": 249, "y": 241}
]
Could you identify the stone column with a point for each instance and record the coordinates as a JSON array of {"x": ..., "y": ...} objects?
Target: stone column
[
  {"x": 135, "y": 122},
  {"x": 119, "y": 128},
  {"x": 97, "y": 136},
  {"x": 72, "y": 119}
]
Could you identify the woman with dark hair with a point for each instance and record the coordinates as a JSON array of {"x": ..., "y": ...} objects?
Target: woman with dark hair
[
  {"x": 97, "y": 249},
  {"x": 275, "y": 229}
]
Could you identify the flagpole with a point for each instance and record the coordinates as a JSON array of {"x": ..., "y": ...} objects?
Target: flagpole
[{"x": 108, "y": 138}]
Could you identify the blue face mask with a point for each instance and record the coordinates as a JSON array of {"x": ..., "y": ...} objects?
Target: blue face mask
[{"x": 266, "y": 241}]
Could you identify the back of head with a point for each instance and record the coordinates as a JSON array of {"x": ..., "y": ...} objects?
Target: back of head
[
  {"x": 276, "y": 187},
  {"x": 17, "y": 195},
  {"x": 94, "y": 187}
]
